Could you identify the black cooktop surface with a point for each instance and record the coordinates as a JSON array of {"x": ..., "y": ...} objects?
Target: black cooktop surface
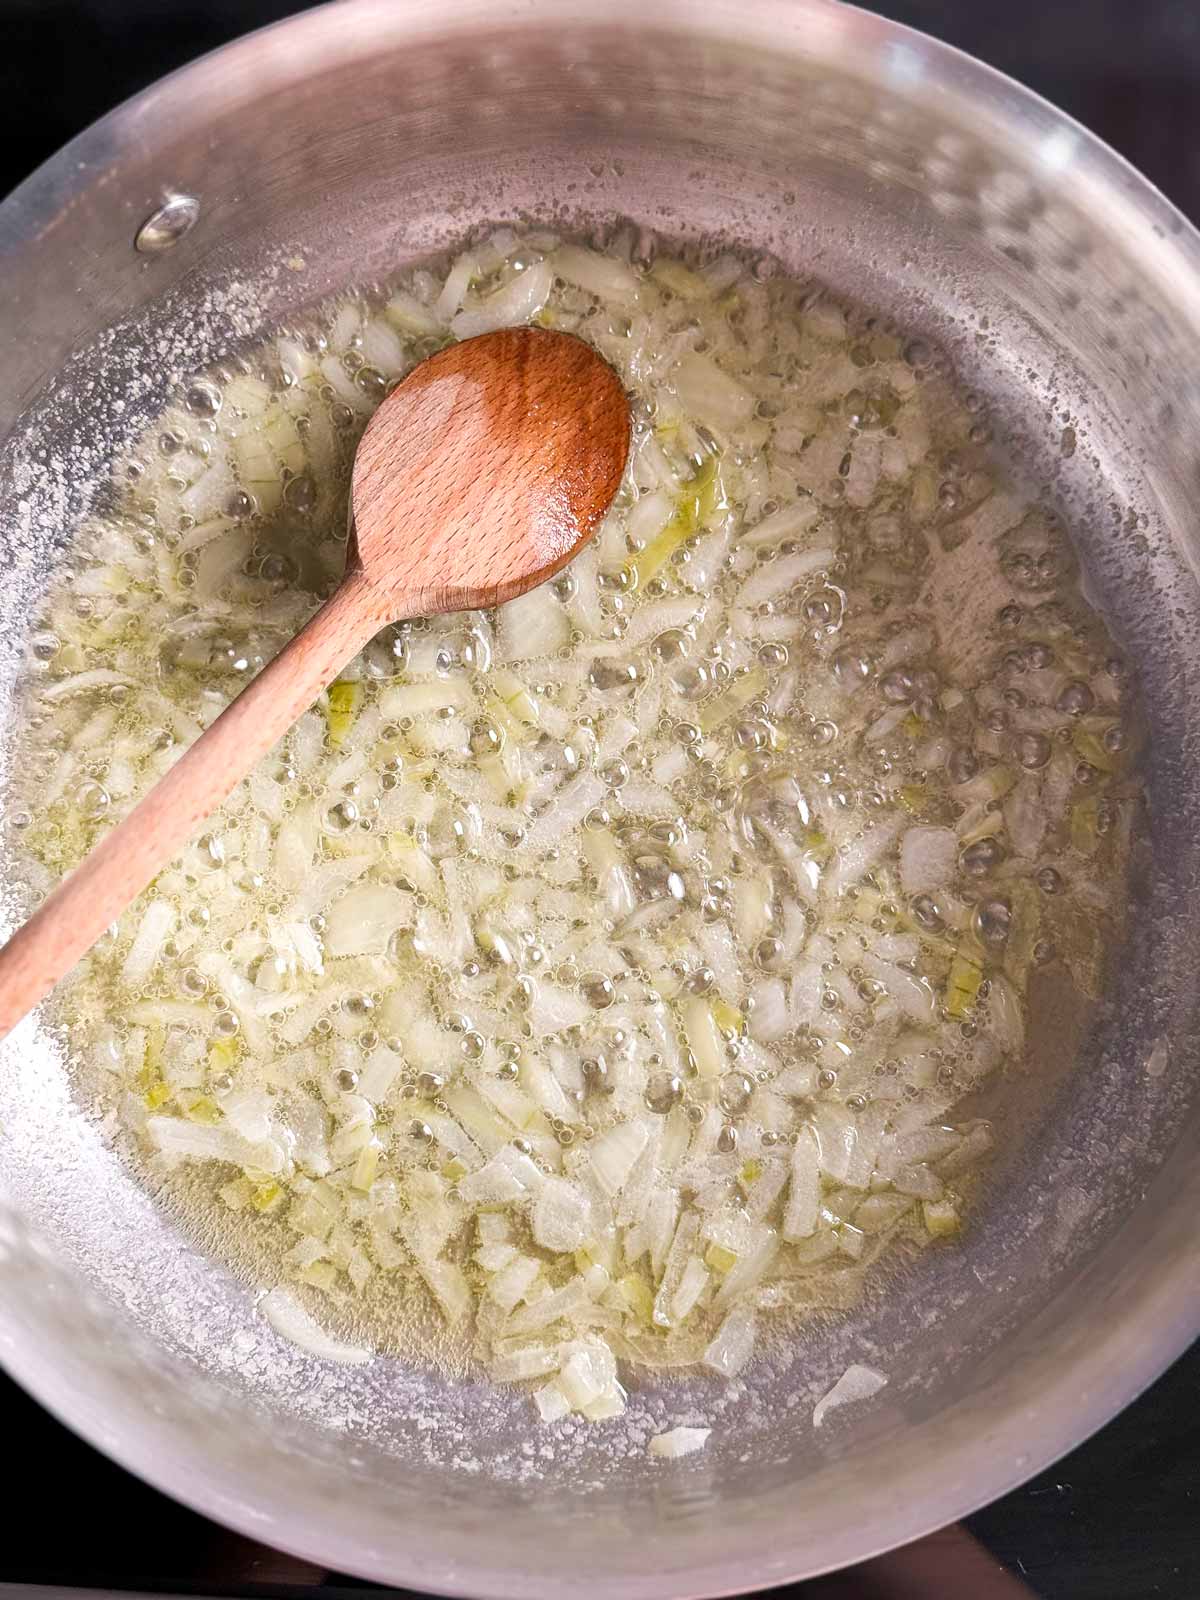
[{"x": 1115, "y": 1520}]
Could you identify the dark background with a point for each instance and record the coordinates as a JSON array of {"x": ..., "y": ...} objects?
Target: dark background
[{"x": 1115, "y": 1520}]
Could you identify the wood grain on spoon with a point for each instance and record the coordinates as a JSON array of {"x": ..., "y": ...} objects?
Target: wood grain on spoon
[{"x": 478, "y": 478}]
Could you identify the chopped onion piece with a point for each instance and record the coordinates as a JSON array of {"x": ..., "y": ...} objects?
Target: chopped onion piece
[
  {"x": 157, "y": 924},
  {"x": 613, "y": 1154},
  {"x": 494, "y": 1183},
  {"x": 804, "y": 1188},
  {"x": 290, "y": 1320},
  {"x": 731, "y": 1349},
  {"x": 778, "y": 577},
  {"x": 513, "y": 1282},
  {"x": 677, "y": 1442},
  {"x": 362, "y": 921},
  {"x": 856, "y": 1383},
  {"x": 552, "y": 1403},
  {"x": 599, "y": 274},
  {"x": 719, "y": 401},
  {"x": 561, "y": 1217},
  {"x": 519, "y": 301}
]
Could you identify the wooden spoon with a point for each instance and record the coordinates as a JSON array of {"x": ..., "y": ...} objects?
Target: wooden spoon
[{"x": 478, "y": 477}]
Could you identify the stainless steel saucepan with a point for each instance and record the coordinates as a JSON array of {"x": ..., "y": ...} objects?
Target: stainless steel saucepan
[{"x": 330, "y": 149}]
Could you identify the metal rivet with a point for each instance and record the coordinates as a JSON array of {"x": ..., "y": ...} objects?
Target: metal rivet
[{"x": 166, "y": 226}]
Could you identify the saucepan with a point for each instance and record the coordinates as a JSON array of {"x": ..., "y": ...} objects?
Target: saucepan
[{"x": 333, "y": 148}]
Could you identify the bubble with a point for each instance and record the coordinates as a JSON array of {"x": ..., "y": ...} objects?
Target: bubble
[
  {"x": 823, "y": 609},
  {"x": 595, "y": 1074},
  {"x": 203, "y": 398},
  {"x": 1033, "y": 750},
  {"x": 211, "y": 849},
  {"x": 239, "y": 505},
  {"x": 773, "y": 655},
  {"x": 45, "y": 645},
  {"x": 300, "y": 494},
  {"x": 92, "y": 799},
  {"x": 346, "y": 1079},
  {"x": 341, "y": 817},
  {"x": 733, "y": 1092},
  {"x": 949, "y": 496},
  {"x": 897, "y": 686},
  {"x": 430, "y": 1084},
  {"x": 850, "y": 667},
  {"x": 924, "y": 909},
  {"x": 664, "y": 1091},
  {"x": 226, "y": 1024},
  {"x": 615, "y": 773},
  {"x": 673, "y": 645},
  {"x": 372, "y": 382},
  {"x": 1076, "y": 699},
  {"x": 597, "y": 990},
  {"x": 979, "y": 858},
  {"x": 608, "y": 676},
  {"x": 692, "y": 680},
  {"x": 727, "y": 1140},
  {"x": 655, "y": 878},
  {"x": 447, "y": 832},
  {"x": 961, "y": 764},
  {"x": 993, "y": 921},
  {"x": 752, "y": 734},
  {"x": 276, "y": 567},
  {"x": 1049, "y": 881},
  {"x": 487, "y": 737}
]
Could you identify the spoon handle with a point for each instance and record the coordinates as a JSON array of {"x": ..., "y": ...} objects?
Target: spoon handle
[{"x": 71, "y": 919}]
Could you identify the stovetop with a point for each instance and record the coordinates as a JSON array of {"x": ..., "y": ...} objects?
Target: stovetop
[{"x": 1117, "y": 1519}]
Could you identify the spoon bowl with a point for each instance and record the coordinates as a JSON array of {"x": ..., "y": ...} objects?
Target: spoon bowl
[{"x": 485, "y": 470}]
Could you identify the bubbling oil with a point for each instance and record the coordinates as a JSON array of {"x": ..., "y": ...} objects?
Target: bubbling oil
[{"x": 650, "y": 942}]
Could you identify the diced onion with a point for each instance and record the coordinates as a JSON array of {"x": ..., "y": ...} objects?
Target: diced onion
[
  {"x": 677, "y": 1442},
  {"x": 289, "y": 1319},
  {"x": 856, "y": 1383},
  {"x": 588, "y": 967}
]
